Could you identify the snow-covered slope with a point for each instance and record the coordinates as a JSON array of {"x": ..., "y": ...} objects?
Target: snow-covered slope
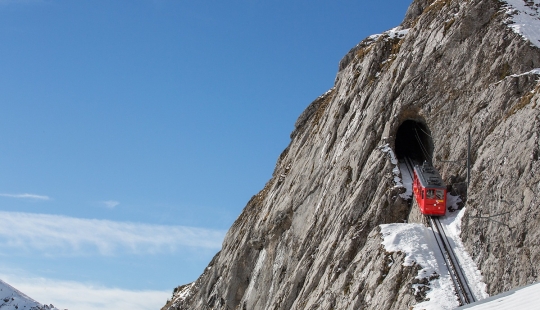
[
  {"x": 525, "y": 18},
  {"x": 13, "y": 299},
  {"x": 419, "y": 245},
  {"x": 525, "y": 298}
]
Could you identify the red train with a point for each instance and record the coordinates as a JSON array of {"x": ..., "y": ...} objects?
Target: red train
[{"x": 429, "y": 190}]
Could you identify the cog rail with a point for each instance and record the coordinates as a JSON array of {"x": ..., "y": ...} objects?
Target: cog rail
[{"x": 462, "y": 288}]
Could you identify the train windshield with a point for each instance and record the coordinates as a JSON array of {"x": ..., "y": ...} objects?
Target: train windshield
[
  {"x": 440, "y": 194},
  {"x": 430, "y": 194}
]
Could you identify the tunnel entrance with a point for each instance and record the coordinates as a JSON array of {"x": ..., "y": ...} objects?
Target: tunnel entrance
[{"x": 413, "y": 140}]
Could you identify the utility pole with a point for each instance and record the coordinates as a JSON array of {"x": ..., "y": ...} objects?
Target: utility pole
[{"x": 468, "y": 161}]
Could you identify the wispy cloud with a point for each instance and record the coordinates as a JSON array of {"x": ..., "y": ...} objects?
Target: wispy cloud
[
  {"x": 110, "y": 203},
  {"x": 8, "y": 2},
  {"x": 82, "y": 296},
  {"x": 55, "y": 234},
  {"x": 26, "y": 196}
]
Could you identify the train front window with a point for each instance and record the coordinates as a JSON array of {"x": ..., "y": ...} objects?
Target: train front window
[
  {"x": 440, "y": 194},
  {"x": 430, "y": 194}
]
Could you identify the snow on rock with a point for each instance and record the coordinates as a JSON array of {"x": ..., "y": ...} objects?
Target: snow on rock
[
  {"x": 388, "y": 150},
  {"x": 452, "y": 202},
  {"x": 396, "y": 33},
  {"x": 533, "y": 71},
  {"x": 525, "y": 18},
  {"x": 13, "y": 299},
  {"x": 402, "y": 180},
  {"x": 390, "y": 34},
  {"x": 185, "y": 292}
]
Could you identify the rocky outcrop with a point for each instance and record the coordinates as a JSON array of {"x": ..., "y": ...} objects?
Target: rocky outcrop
[{"x": 310, "y": 238}]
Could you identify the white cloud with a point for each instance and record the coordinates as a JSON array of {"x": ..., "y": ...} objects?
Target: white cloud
[
  {"x": 81, "y": 296},
  {"x": 110, "y": 203},
  {"x": 26, "y": 196},
  {"x": 55, "y": 234}
]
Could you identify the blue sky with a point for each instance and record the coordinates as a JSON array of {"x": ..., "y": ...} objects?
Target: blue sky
[{"x": 132, "y": 133}]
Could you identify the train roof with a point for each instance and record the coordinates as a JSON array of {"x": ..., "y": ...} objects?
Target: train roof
[{"x": 429, "y": 176}]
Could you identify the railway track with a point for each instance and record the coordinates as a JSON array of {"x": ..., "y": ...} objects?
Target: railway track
[
  {"x": 410, "y": 166},
  {"x": 462, "y": 288}
]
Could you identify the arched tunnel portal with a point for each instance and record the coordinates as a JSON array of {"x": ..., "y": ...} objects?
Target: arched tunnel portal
[{"x": 413, "y": 140}]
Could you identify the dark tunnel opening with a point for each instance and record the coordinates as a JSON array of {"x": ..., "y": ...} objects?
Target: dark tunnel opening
[{"x": 413, "y": 140}]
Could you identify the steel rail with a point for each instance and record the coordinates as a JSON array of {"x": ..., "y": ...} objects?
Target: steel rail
[
  {"x": 463, "y": 291},
  {"x": 448, "y": 263},
  {"x": 410, "y": 167}
]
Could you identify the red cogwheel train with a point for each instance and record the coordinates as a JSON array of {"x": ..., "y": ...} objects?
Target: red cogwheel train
[{"x": 429, "y": 190}]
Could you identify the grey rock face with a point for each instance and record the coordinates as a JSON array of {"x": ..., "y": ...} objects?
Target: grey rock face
[{"x": 310, "y": 238}]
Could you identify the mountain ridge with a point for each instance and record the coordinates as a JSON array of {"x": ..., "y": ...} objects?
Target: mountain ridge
[{"x": 13, "y": 299}]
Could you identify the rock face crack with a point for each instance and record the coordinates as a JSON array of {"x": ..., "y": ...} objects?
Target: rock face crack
[{"x": 311, "y": 239}]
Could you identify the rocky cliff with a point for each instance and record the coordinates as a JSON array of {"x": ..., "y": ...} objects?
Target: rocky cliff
[{"x": 311, "y": 238}]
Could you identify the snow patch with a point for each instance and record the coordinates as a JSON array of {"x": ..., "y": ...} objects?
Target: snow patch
[
  {"x": 185, "y": 292},
  {"x": 533, "y": 71},
  {"x": 452, "y": 202},
  {"x": 388, "y": 150},
  {"x": 400, "y": 179},
  {"x": 524, "y": 19},
  {"x": 326, "y": 93},
  {"x": 396, "y": 33},
  {"x": 390, "y": 34},
  {"x": 420, "y": 247}
]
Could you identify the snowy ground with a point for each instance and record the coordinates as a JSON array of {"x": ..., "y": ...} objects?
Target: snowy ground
[
  {"x": 406, "y": 180},
  {"x": 525, "y": 298},
  {"x": 420, "y": 246},
  {"x": 12, "y": 299},
  {"x": 525, "y": 19}
]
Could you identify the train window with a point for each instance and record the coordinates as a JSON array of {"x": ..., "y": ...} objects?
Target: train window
[
  {"x": 430, "y": 194},
  {"x": 422, "y": 194},
  {"x": 440, "y": 194}
]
